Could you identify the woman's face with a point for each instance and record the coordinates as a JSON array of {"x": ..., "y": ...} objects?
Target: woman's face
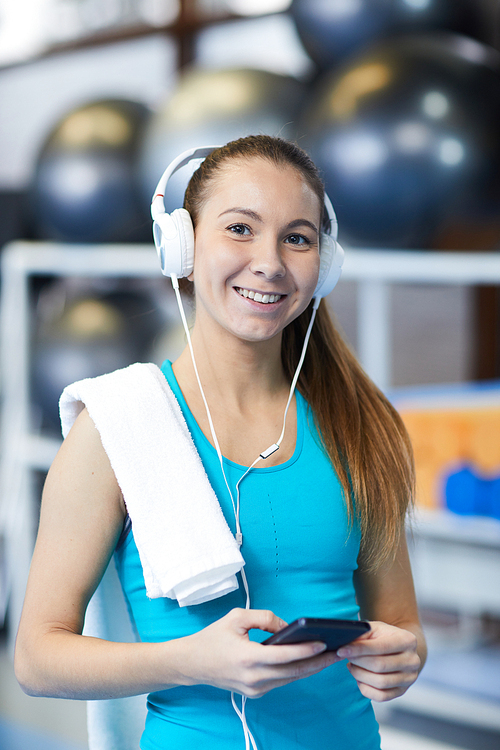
[{"x": 256, "y": 249}]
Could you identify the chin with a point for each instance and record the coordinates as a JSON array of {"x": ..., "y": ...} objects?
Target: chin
[{"x": 256, "y": 336}]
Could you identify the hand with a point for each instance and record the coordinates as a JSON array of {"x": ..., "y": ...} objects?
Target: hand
[
  {"x": 222, "y": 655},
  {"x": 384, "y": 662}
]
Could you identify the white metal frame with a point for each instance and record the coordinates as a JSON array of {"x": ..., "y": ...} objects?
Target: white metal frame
[
  {"x": 376, "y": 270},
  {"x": 22, "y": 451}
]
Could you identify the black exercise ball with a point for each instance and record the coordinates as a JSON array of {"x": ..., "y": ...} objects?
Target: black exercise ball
[
  {"x": 334, "y": 29},
  {"x": 83, "y": 332},
  {"x": 85, "y": 187},
  {"x": 408, "y": 138},
  {"x": 211, "y": 107}
]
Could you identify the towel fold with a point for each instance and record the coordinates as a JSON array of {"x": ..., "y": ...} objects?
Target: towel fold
[{"x": 186, "y": 548}]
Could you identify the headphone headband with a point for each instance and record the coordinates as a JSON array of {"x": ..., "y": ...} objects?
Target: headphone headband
[
  {"x": 333, "y": 228},
  {"x": 174, "y": 236},
  {"x": 158, "y": 202}
]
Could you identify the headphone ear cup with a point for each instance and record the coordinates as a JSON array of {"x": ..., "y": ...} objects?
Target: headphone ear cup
[
  {"x": 331, "y": 259},
  {"x": 174, "y": 239}
]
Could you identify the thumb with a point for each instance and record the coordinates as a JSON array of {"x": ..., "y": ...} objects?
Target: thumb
[{"x": 262, "y": 619}]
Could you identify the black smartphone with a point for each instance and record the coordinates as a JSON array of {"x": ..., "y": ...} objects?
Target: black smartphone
[{"x": 335, "y": 633}]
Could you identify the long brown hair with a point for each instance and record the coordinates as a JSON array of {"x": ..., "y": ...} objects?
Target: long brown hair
[{"x": 362, "y": 433}]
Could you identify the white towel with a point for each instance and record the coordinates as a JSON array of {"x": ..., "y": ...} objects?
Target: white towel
[{"x": 186, "y": 548}]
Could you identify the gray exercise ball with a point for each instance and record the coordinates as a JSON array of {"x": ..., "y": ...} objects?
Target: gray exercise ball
[{"x": 211, "y": 107}]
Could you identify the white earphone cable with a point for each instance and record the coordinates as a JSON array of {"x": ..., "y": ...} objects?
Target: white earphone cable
[
  {"x": 249, "y": 738},
  {"x": 298, "y": 369},
  {"x": 175, "y": 284}
]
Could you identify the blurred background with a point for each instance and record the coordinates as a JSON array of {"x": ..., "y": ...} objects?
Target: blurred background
[{"x": 398, "y": 102}]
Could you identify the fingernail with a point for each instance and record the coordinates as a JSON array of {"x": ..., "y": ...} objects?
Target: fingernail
[
  {"x": 343, "y": 652},
  {"x": 319, "y": 647}
]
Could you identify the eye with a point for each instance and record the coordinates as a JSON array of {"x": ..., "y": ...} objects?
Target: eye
[
  {"x": 298, "y": 239},
  {"x": 239, "y": 229}
]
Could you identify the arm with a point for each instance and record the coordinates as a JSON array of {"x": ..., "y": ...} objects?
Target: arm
[
  {"x": 387, "y": 660},
  {"x": 81, "y": 519}
]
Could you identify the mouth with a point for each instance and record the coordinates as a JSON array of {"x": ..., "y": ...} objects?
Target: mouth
[{"x": 263, "y": 298}]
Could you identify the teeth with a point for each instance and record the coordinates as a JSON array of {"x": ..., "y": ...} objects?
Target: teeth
[{"x": 258, "y": 297}]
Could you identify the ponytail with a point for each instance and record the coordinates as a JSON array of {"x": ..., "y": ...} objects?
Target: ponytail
[{"x": 361, "y": 431}]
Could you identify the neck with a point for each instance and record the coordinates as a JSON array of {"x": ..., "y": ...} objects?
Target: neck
[
  {"x": 246, "y": 384},
  {"x": 234, "y": 372}
]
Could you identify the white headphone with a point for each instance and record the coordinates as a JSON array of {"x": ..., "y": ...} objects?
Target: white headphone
[{"x": 174, "y": 234}]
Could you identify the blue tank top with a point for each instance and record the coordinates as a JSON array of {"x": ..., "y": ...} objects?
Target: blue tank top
[{"x": 300, "y": 557}]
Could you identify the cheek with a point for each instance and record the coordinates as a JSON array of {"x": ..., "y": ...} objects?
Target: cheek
[
  {"x": 310, "y": 274},
  {"x": 203, "y": 262},
  {"x": 216, "y": 261},
  {"x": 307, "y": 280},
  {"x": 210, "y": 268}
]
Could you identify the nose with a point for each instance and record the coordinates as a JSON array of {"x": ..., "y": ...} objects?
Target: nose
[{"x": 267, "y": 259}]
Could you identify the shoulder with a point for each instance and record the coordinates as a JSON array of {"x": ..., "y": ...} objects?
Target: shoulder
[
  {"x": 83, "y": 439},
  {"x": 83, "y": 464}
]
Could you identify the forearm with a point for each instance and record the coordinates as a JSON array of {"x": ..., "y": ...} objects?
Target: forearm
[
  {"x": 63, "y": 664},
  {"x": 60, "y": 663}
]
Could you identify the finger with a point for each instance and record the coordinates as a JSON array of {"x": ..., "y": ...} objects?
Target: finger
[
  {"x": 387, "y": 663},
  {"x": 382, "y": 681},
  {"x": 292, "y": 670},
  {"x": 380, "y": 696},
  {"x": 399, "y": 643},
  {"x": 272, "y": 676},
  {"x": 290, "y": 653}
]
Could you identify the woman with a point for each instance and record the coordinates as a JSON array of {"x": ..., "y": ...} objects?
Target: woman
[{"x": 322, "y": 519}]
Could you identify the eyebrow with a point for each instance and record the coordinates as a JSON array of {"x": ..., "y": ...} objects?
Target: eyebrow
[
  {"x": 301, "y": 223},
  {"x": 245, "y": 211},
  {"x": 257, "y": 217}
]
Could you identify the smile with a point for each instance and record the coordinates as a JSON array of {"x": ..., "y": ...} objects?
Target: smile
[{"x": 265, "y": 299}]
